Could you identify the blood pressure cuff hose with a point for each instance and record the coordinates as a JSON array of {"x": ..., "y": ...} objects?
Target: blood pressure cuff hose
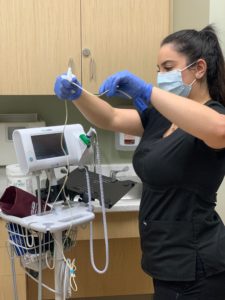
[{"x": 19, "y": 203}]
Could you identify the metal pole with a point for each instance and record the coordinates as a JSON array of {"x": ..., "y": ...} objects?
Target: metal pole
[
  {"x": 40, "y": 235},
  {"x": 58, "y": 263},
  {"x": 12, "y": 263}
]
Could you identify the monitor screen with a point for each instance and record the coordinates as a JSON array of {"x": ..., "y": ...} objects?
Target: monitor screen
[{"x": 48, "y": 145}]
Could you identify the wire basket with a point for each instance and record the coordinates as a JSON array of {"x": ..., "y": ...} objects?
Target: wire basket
[{"x": 27, "y": 244}]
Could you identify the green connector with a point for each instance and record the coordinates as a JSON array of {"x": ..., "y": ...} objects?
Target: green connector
[{"x": 85, "y": 140}]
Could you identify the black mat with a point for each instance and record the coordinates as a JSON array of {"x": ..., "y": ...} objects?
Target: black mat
[{"x": 114, "y": 190}]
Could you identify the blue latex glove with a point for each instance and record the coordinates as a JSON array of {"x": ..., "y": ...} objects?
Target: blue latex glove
[
  {"x": 127, "y": 83},
  {"x": 140, "y": 104},
  {"x": 65, "y": 89}
]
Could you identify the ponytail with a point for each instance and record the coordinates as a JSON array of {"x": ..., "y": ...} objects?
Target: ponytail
[
  {"x": 203, "y": 44},
  {"x": 212, "y": 53}
]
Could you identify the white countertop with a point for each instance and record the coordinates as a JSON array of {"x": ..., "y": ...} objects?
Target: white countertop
[
  {"x": 123, "y": 205},
  {"x": 126, "y": 204}
]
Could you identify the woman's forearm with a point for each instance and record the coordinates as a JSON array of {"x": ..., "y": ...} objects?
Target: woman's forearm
[
  {"x": 101, "y": 114},
  {"x": 191, "y": 116},
  {"x": 95, "y": 110}
]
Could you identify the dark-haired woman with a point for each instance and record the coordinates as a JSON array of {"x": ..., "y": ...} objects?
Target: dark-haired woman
[{"x": 180, "y": 160}]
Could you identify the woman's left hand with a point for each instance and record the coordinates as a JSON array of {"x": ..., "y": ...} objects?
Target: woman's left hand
[{"x": 128, "y": 83}]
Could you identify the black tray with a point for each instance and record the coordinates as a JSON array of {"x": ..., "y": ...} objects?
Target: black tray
[{"x": 113, "y": 190}]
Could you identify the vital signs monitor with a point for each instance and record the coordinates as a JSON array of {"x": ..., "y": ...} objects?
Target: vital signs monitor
[{"x": 49, "y": 147}]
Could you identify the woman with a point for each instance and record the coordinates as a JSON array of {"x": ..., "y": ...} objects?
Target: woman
[{"x": 180, "y": 160}]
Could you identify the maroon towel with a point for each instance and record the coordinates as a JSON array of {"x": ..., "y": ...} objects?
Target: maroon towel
[{"x": 19, "y": 203}]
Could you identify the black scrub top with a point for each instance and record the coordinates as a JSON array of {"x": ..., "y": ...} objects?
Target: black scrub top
[{"x": 177, "y": 219}]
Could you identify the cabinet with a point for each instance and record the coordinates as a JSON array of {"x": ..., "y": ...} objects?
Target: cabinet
[
  {"x": 39, "y": 36},
  {"x": 122, "y": 35},
  {"x": 37, "y": 39}
]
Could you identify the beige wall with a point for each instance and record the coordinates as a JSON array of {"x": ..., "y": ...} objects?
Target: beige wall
[
  {"x": 190, "y": 14},
  {"x": 199, "y": 13},
  {"x": 216, "y": 16}
]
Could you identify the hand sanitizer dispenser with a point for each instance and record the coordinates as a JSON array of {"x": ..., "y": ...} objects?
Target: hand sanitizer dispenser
[{"x": 126, "y": 142}]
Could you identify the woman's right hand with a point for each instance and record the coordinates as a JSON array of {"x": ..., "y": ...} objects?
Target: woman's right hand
[{"x": 67, "y": 88}]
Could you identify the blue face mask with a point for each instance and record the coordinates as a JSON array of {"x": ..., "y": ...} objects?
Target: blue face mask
[{"x": 172, "y": 82}]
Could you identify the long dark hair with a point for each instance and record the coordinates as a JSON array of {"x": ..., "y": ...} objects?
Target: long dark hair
[{"x": 203, "y": 44}]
